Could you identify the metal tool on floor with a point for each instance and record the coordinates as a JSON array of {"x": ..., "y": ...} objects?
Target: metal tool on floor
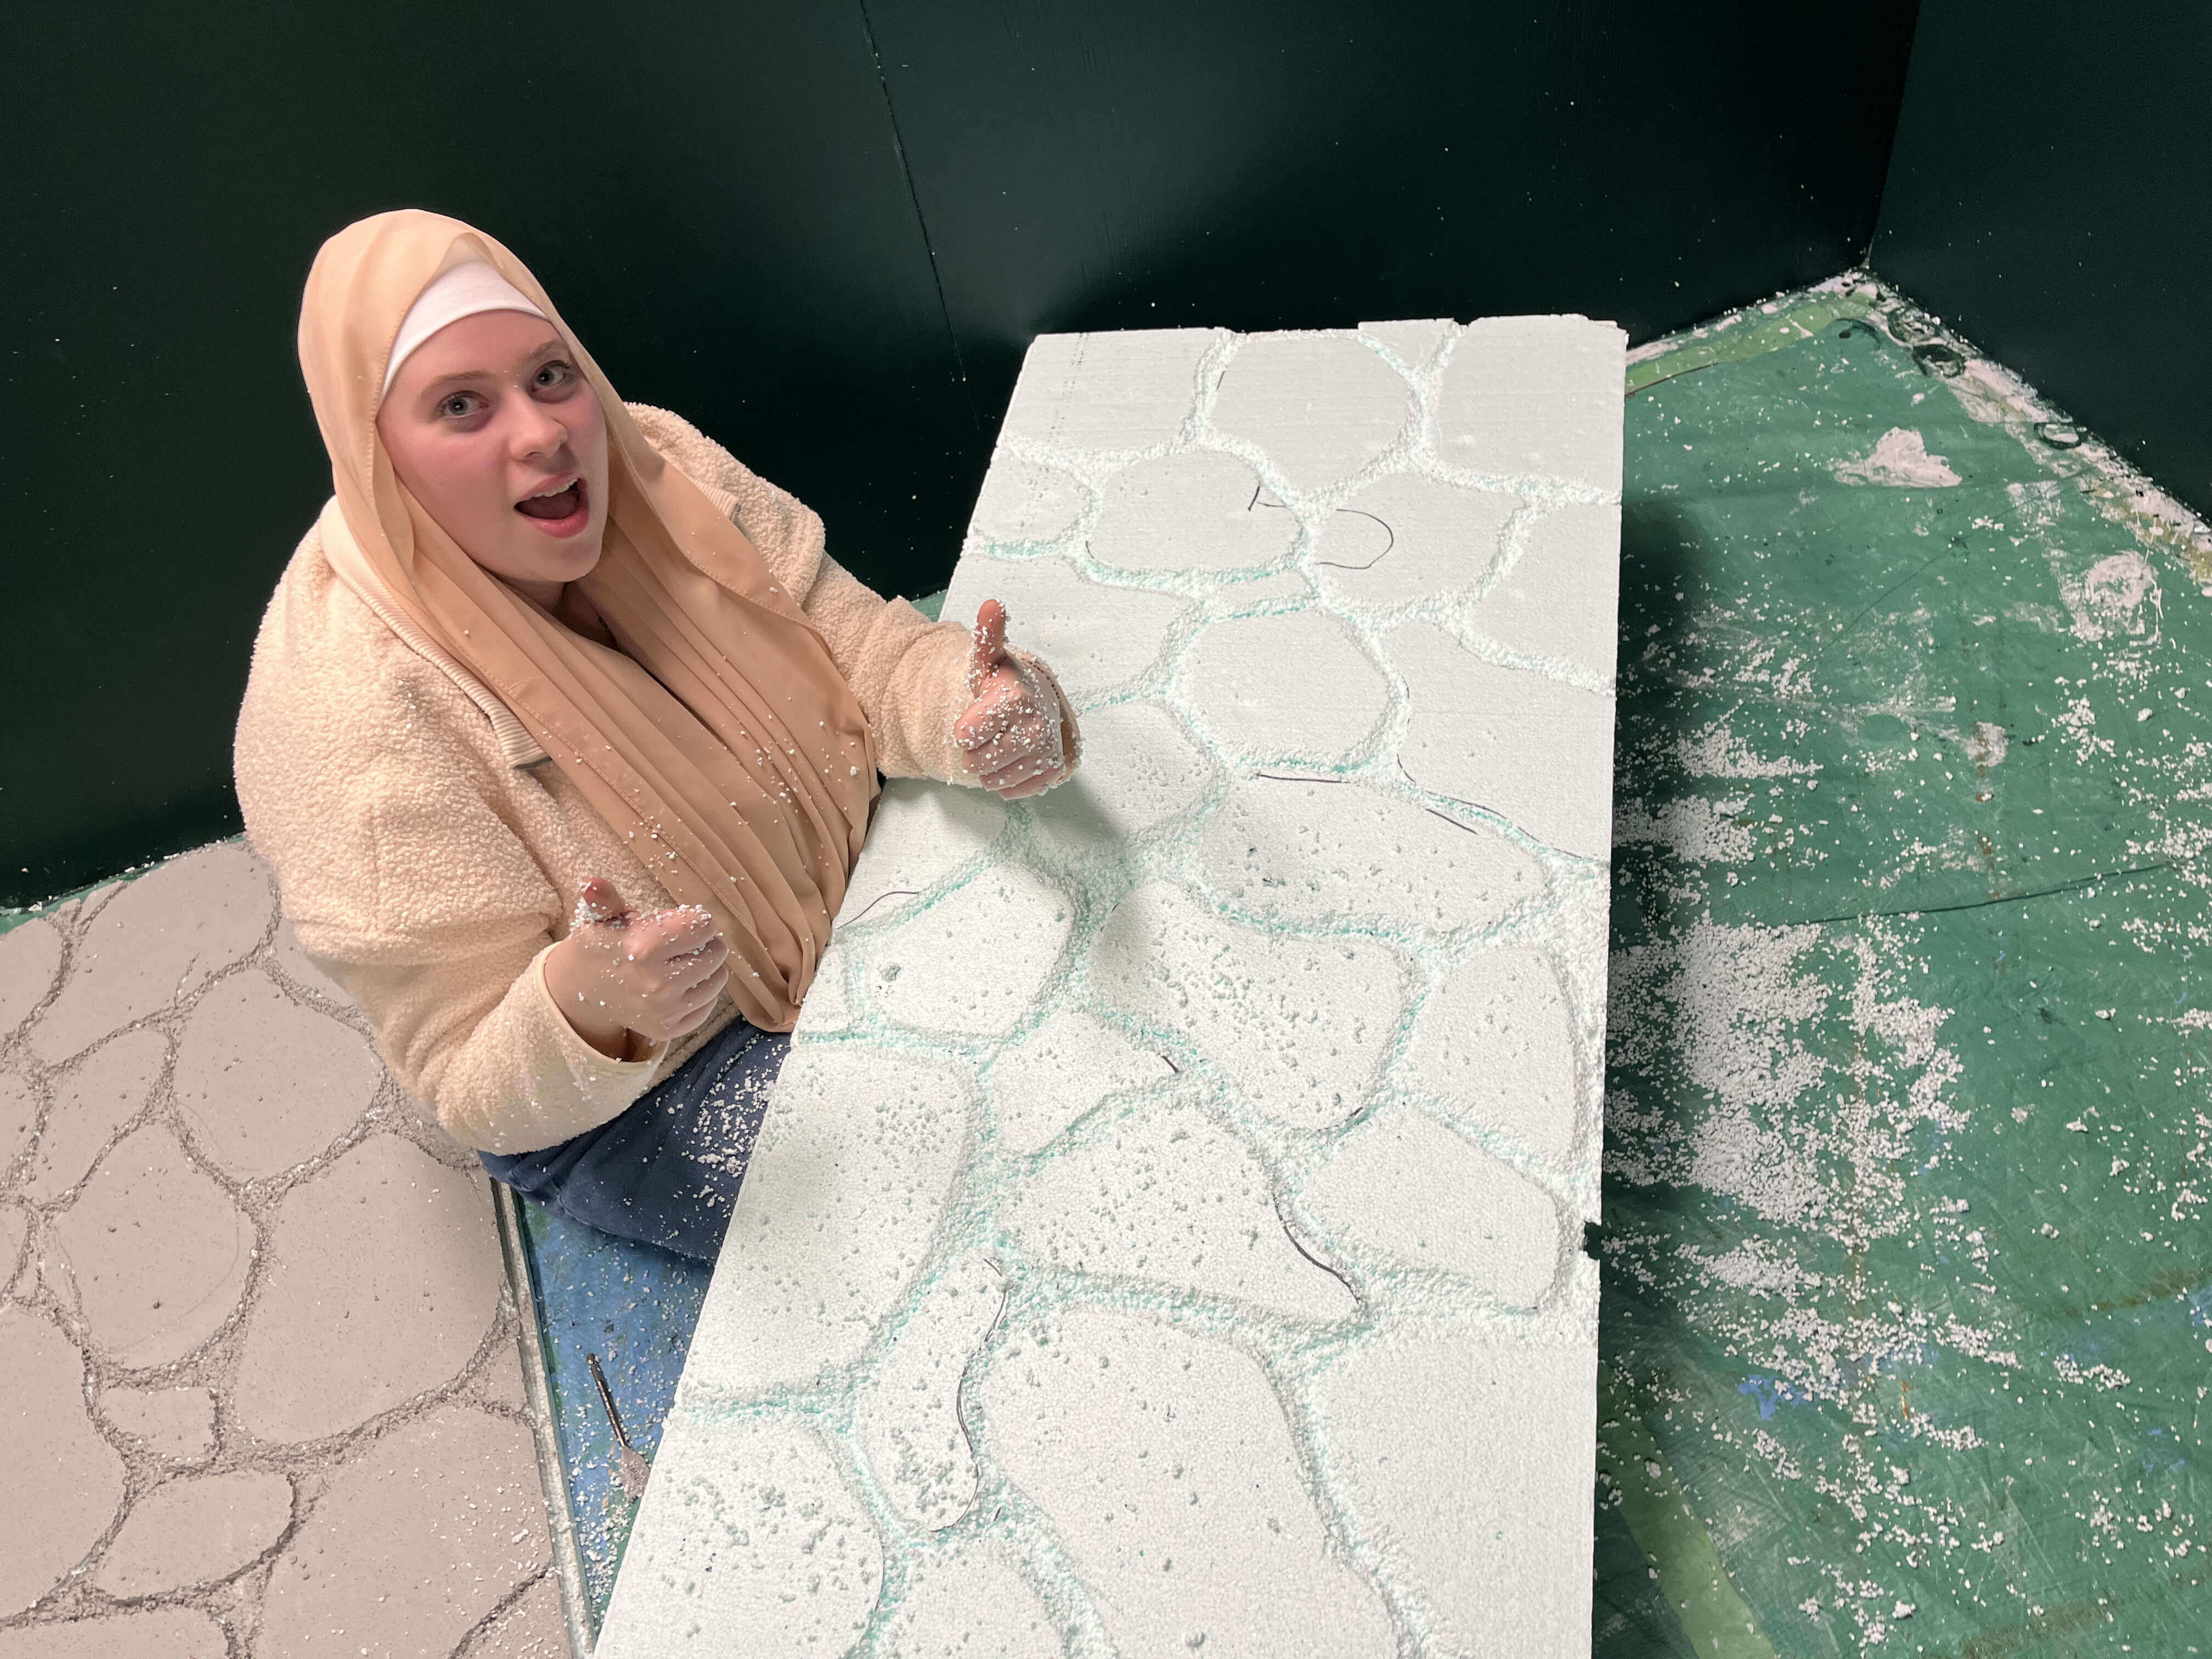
[{"x": 630, "y": 1466}]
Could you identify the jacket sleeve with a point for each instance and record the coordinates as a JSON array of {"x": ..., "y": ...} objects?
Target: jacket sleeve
[
  {"x": 908, "y": 673},
  {"x": 485, "y": 1046},
  {"x": 407, "y": 887},
  {"x": 447, "y": 957}
]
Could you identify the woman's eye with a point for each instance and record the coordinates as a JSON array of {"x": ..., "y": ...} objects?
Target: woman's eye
[
  {"x": 455, "y": 407},
  {"x": 556, "y": 373}
]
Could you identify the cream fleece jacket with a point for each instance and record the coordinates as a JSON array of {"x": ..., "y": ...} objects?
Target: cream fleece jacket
[{"x": 428, "y": 873}]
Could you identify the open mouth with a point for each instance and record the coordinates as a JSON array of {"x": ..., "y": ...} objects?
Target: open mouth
[{"x": 563, "y": 512}]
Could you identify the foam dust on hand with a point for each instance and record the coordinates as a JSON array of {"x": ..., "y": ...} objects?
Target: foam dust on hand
[
  {"x": 1010, "y": 733},
  {"x": 596, "y": 901}
]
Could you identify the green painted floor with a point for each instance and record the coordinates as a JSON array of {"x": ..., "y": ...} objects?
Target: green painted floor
[{"x": 1907, "y": 1333}]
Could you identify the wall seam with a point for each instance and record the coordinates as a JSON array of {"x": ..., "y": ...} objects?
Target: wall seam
[
  {"x": 921, "y": 220},
  {"x": 1889, "y": 154}
]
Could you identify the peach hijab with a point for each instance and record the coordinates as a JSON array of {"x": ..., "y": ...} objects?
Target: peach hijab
[{"x": 721, "y": 739}]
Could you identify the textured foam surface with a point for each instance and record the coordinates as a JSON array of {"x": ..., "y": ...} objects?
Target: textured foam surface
[{"x": 1166, "y": 1238}]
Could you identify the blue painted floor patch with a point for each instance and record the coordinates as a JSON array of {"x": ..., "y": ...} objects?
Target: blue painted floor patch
[{"x": 635, "y": 1307}]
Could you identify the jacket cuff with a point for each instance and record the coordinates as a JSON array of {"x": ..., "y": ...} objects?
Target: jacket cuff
[
  {"x": 922, "y": 703},
  {"x": 596, "y": 1076}
]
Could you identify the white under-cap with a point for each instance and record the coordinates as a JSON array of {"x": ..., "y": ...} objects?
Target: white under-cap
[{"x": 464, "y": 291}]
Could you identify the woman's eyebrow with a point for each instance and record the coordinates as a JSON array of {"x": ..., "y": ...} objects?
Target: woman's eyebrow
[
  {"x": 458, "y": 375},
  {"x": 461, "y": 374}
]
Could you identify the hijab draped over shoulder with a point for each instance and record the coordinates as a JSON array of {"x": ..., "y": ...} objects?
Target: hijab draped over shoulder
[{"x": 721, "y": 739}]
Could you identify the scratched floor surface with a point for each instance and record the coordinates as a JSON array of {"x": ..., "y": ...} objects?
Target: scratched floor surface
[
  {"x": 1905, "y": 1326},
  {"x": 1906, "y": 1323}
]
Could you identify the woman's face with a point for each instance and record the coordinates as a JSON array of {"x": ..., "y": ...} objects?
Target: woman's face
[{"x": 494, "y": 428}]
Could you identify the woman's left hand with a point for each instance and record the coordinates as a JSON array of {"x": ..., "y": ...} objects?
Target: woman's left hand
[{"x": 1010, "y": 734}]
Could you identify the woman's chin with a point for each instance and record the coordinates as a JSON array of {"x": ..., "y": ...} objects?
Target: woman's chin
[
  {"x": 583, "y": 558},
  {"x": 566, "y": 560}
]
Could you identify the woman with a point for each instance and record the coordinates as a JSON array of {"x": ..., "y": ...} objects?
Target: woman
[{"x": 562, "y": 734}]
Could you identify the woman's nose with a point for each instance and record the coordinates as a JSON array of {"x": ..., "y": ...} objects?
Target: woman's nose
[{"x": 536, "y": 430}]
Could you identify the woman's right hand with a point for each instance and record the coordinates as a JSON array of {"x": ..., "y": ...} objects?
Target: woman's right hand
[
  {"x": 657, "y": 974},
  {"x": 1010, "y": 734}
]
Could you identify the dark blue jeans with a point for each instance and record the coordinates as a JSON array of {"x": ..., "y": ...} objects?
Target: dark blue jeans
[{"x": 666, "y": 1171}]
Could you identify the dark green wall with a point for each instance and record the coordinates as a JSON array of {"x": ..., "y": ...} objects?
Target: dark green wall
[
  {"x": 1281, "y": 163},
  {"x": 823, "y": 229},
  {"x": 2051, "y": 196}
]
